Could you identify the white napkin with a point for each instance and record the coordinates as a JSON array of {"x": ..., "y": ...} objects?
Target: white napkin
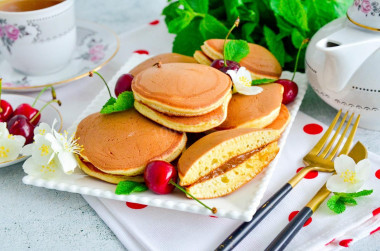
[{"x": 151, "y": 228}]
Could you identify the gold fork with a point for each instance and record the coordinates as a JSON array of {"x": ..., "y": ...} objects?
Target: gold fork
[{"x": 320, "y": 158}]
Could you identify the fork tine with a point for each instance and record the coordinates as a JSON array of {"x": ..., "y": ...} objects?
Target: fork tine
[
  {"x": 336, "y": 148},
  {"x": 329, "y": 145},
  {"x": 350, "y": 138},
  {"x": 318, "y": 147}
]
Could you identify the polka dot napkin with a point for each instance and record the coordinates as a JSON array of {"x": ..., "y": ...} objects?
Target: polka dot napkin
[{"x": 141, "y": 227}]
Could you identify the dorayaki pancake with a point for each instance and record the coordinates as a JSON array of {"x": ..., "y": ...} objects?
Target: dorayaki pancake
[
  {"x": 124, "y": 142},
  {"x": 92, "y": 171},
  {"x": 199, "y": 123},
  {"x": 164, "y": 59},
  {"x": 281, "y": 121},
  {"x": 234, "y": 173},
  {"x": 215, "y": 149},
  {"x": 201, "y": 58},
  {"x": 182, "y": 89},
  {"x": 254, "y": 111},
  {"x": 260, "y": 62}
]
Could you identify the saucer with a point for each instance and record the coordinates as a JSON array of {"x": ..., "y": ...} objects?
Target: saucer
[
  {"x": 48, "y": 115},
  {"x": 96, "y": 46}
]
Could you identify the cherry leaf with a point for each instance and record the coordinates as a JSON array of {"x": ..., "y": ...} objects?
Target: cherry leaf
[
  {"x": 127, "y": 187},
  {"x": 123, "y": 102}
]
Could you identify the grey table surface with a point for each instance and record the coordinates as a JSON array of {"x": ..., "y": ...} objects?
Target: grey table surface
[{"x": 42, "y": 219}]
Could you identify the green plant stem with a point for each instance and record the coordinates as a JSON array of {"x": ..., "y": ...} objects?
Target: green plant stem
[
  {"x": 53, "y": 94},
  {"x": 213, "y": 210},
  {"x": 236, "y": 24},
  {"x": 48, "y": 103},
  {"x": 97, "y": 73},
  {"x": 305, "y": 41}
]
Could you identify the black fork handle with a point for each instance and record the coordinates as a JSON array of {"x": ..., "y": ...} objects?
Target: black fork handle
[{"x": 244, "y": 229}]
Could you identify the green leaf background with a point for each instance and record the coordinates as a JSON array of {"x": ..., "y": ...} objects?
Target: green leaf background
[{"x": 279, "y": 25}]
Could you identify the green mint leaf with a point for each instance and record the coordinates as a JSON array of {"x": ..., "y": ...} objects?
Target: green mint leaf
[
  {"x": 127, "y": 187},
  {"x": 336, "y": 205},
  {"x": 179, "y": 23},
  {"x": 292, "y": 11},
  {"x": 200, "y": 6},
  {"x": 123, "y": 102},
  {"x": 348, "y": 200},
  {"x": 171, "y": 12},
  {"x": 210, "y": 27},
  {"x": 275, "y": 45},
  {"x": 236, "y": 50},
  {"x": 189, "y": 39},
  {"x": 262, "y": 81},
  {"x": 357, "y": 194},
  {"x": 297, "y": 38},
  {"x": 247, "y": 29}
]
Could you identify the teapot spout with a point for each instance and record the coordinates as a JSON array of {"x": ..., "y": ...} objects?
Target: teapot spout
[{"x": 345, "y": 51}]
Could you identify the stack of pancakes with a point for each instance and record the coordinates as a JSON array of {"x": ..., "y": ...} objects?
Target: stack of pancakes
[{"x": 174, "y": 95}]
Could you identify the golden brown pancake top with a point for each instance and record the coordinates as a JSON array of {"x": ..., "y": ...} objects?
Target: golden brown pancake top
[
  {"x": 207, "y": 143},
  {"x": 164, "y": 59},
  {"x": 245, "y": 108},
  {"x": 182, "y": 85},
  {"x": 259, "y": 60},
  {"x": 124, "y": 140}
]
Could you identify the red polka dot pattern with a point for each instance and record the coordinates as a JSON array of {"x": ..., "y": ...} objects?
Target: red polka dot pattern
[
  {"x": 328, "y": 243},
  {"x": 142, "y": 52},
  {"x": 374, "y": 231},
  {"x": 345, "y": 243},
  {"x": 155, "y": 22},
  {"x": 310, "y": 175},
  {"x": 376, "y": 211},
  {"x": 135, "y": 205},
  {"x": 294, "y": 213},
  {"x": 213, "y": 216},
  {"x": 377, "y": 174},
  {"x": 312, "y": 129}
]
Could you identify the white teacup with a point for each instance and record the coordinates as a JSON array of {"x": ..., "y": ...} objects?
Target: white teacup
[{"x": 40, "y": 41}]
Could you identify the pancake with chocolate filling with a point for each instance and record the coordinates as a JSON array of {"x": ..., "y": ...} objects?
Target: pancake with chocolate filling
[
  {"x": 260, "y": 62},
  {"x": 221, "y": 162},
  {"x": 92, "y": 171},
  {"x": 282, "y": 120},
  {"x": 199, "y": 123},
  {"x": 164, "y": 59},
  {"x": 124, "y": 142},
  {"x": 182, "y": 89},
  {"x": 254, "y": 111}
]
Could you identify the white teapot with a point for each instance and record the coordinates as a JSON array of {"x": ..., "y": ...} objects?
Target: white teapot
[{"x": 343, "y": 62}]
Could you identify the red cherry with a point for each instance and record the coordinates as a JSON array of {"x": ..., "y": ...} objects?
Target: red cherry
[
  {"x": 157, "y": 176},
  {"x": 231, "y": 65},
  {"x": 7, "y": 111},
  {"x": 29, "y": 112},
  {"x": 290, "y": 90},
  {"x": 124, "y": 83},
  {"x": 20, "y": 125}
]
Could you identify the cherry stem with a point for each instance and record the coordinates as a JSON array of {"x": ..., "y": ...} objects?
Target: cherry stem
[
  {"x": 1, "y": 88},
  {"x": 236, "y": 24},
  {"x": 213, "y": 210},
  {"x": 305, "y": 41},
  {"x": 53, "y": 94},
  {"x": 48, "y": 103},
  {"x": 91, "y": 73}
]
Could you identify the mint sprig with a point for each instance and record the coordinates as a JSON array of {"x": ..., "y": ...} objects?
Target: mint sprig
[
  {"x": 127, "y": 187},
  {"x": 262, "y": 81},
  {"x": 337, "y": 203},
  {"x": 236, "y": 50},
  {"x": 123, "y": 102}
]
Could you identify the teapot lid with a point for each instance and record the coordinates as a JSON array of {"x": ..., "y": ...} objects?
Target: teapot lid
[{"x": 365, "y": 13}]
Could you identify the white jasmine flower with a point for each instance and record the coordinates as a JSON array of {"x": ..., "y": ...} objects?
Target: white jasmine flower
[
  {"x": 349, "y": 177},
  {"x": 51, "y": 153},
  {"x": 242, "y": 81},
  {"x": 10, "y": 145}
]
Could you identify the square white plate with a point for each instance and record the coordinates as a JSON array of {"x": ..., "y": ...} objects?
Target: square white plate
[{"x": 240, "y": 205}]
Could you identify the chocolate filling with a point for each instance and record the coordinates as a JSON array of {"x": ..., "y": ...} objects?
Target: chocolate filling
[{"x": 229, "y": 164}]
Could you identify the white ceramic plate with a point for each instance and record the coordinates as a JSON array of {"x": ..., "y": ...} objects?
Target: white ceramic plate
[
  {"x": 96, "y": 46},
  {"x": 47, "y": 115},
  {"x": 239, "y": 205}
]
